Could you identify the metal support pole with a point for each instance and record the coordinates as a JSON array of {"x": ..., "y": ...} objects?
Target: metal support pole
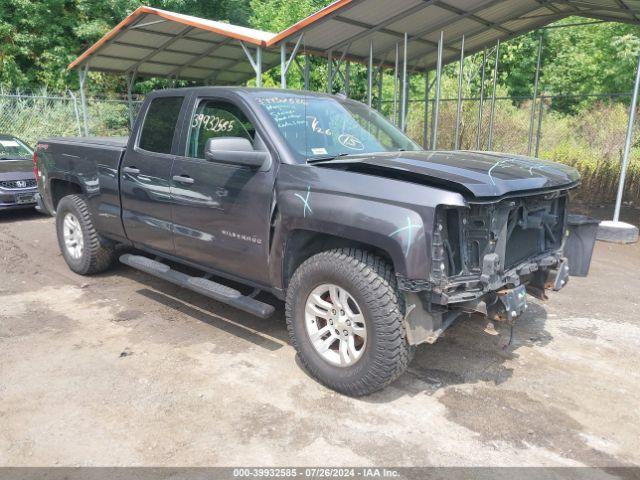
[
  {"x": 627, "y": 145},
  {"x": 283, "y": 65},
  {"x": 131, "y": 78},
  {"x": 539, "y": 133},
  {"x": 481, "y": 105},
  {"x": 370, "y": 76},
  {"x": 330, "y": 72},
  {"x": 82, "y": 73},
  {"x": 76, "y": 112},
  {"x": 347, "y": 78},
  {"x": 307, "y": 67},
  {"x": 256, "y": 63},
  {"x": 258, "y": 67},
  {"x": 395, "y": 86},
  {"x": 460, "y": 85},
  {"x": 535, "y": 96},
  {"x": 493, "y": 95},
  {"x": 425, "y": 127},
  {"x": 380, "y": 80},
  {"x": 403, "y": 119},
  {"x": 436, "y": 106}
]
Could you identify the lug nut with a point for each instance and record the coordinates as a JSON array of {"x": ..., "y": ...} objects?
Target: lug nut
[
  {"x": 348, "y": 322},
  {"x": 345, "y": 333},
  {"x": 330, "y": 322},
  {"x": 341, "y": 312},
  {"x": 333, "y": 311}
]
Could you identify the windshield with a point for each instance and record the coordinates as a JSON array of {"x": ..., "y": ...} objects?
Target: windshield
[
  {"x": 317, "y": 127},
  {"x": 14, "y": 149}
]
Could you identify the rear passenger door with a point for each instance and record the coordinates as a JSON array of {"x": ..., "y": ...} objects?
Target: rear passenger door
[
  {"x": 221, "y": 211},
  {"x": 145, "y": 176}
]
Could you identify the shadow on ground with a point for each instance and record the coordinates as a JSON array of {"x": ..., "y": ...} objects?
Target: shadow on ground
[
  {"x": 270, "y": 334},
  {"x": 20, "y": 215},
  {"x": 465, "y": 354}
]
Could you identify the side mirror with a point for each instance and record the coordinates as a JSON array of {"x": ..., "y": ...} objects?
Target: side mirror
[{"x": 234, "y": 151}]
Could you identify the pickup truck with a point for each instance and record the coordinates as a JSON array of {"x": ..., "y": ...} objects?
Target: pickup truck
[{"x": 374, "y": 244}]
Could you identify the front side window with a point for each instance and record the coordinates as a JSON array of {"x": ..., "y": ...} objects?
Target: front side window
[
  {"x": 160, "y": 124},
  {"x": 317, "y": 126},
  {"x": 214, "y": 119},
  {"x": 13, "y": 149}
]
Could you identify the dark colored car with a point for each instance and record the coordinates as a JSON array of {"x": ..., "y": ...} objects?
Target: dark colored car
[
  {"x": 375, "y": 245},
  {"x": 18, "y": 187}
]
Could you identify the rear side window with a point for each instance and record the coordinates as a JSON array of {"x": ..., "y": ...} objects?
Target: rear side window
[{"x": 160, "y": 124}]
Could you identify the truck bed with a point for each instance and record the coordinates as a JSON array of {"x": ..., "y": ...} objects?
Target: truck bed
[{"x": 91, "y": 163}]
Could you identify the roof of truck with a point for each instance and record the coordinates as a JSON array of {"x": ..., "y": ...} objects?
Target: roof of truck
[{"x": 237, "y": 88}]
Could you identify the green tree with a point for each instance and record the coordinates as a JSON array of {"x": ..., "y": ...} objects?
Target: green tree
[
  {"x": 277, "y": 15},
  {"x": 592, "y": 59},
  {"x": 38, "y": 39}
]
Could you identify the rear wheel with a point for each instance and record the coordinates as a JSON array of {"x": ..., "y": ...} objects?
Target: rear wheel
[
  {"x": 345, "y": 318},
  {"x": 82, "y": 248}
]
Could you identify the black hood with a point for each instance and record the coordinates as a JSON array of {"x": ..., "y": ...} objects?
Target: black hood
[
  {"x": 16, "y": 169},
  {"x": 482, "y": 174}
]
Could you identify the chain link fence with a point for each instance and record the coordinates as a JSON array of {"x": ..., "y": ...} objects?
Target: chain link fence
[
  {"x": 511, "y": 121},
  {"x": 34, "y": 116}
]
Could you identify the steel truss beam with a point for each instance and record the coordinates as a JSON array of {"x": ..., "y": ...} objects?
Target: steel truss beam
[
  {"x": 285, "y": 63},
  {"x": 256, "y": 63}
]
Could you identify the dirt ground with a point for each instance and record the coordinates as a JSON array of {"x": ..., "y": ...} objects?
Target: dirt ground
[{"x": 124, "y": 370}]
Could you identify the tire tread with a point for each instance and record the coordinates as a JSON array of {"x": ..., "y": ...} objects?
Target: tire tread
[
  {"x": 100, "y": 255},
  {"x": 375, "y": 280}
]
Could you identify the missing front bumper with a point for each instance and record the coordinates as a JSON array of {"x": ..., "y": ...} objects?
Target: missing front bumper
[
  {"x": 423, "y": 326},
  {"x": 427, "y": 318}
]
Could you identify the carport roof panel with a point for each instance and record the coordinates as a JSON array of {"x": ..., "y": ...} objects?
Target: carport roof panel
[
  {"x": 354, "y": 23},
  {"x": 157, "y": 42}
]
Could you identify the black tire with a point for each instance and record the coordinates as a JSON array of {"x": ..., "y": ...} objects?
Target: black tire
[
  {"x": 97, "y": 254},
  {"x": 371, "y": 282}
]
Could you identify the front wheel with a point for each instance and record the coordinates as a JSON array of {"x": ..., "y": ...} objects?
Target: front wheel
[
  {"x": 82, "y": 248},
  {"x": 345, "y": 318}
]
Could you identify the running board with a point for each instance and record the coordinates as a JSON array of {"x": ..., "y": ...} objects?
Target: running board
[{"x": 216, "y": 291}]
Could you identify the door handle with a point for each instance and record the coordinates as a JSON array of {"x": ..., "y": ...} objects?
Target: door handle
[
  {"x": 183, "y": 179},
  {"x": 132, "y": 170}
]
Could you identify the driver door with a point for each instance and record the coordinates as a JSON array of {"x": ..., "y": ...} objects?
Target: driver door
[{"x": 221, "y": 211}]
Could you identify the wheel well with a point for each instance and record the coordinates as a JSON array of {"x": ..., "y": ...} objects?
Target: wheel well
[
  {"x": 303, "y": 244},
  {"x": 62, "y": 188}
]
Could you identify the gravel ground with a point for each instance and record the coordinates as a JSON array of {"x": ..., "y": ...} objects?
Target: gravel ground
[{"x": 121, "y": 369}]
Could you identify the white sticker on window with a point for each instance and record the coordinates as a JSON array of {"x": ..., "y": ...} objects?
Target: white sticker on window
[
  {"x": 350, "y": 141},
  {"x": 9, "y": 143},
  {"x": 319, "y": 151}
]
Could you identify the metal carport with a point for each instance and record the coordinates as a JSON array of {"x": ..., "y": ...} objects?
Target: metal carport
[{"x": 409, "y": 36}]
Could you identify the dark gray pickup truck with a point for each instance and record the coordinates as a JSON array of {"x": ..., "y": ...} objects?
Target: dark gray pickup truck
[{"x": 375, "y": 244}]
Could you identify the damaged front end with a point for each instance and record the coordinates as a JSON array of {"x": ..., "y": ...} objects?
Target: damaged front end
[{"x": 485, "y": 259}]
